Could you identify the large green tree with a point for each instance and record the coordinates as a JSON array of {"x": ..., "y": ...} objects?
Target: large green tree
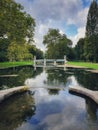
[
  {"x": 14, "y": 23},
  {"x": 15, "y": 27},
  {"x": 87, "y": 48},
  {"x": 91, "y": 44},
  {"x": 79, "y": 49},
  {"x": 56, "y": 43},
  {"x": 92, "y": 19}
]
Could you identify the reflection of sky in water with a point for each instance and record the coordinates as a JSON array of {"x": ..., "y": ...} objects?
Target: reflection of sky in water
[
  {"x": 41, "y": 82},
  {"x": 61, "y": 111},
  {"x": 38, "y": 81},
  {"x": 71, "y": 81}
]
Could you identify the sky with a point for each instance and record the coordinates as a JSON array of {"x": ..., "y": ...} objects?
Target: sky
[{"x": 69, "y": 16}]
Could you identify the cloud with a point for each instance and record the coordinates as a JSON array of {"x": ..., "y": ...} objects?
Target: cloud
[
  {"x": 42, "y": 30},
  {"x": 56, "y": 14},
  {"x": 44, "y": 10},
  {"x": 80, "y": 18},
  {"x": 80, "y": 34}
]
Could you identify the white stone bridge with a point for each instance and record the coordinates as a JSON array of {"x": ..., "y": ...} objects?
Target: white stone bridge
[{"x": 52, "y": 62}]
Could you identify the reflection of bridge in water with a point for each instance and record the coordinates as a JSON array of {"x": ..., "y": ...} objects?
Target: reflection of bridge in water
[{"x": 49, "y": 62}]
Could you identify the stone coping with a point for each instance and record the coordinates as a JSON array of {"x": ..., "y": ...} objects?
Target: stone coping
[
  {"x": 4, "y": 94},
  {"x": 86, "y": 92}
]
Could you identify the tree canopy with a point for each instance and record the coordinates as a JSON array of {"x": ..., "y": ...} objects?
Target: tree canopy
[
  {"x": 92, "y": 19},
  {"x": 87, "y": 48},
  {"x": 14, "y": 23},
  {"x": 16, "y": 33},
  {"x": 57, "y": 44}
]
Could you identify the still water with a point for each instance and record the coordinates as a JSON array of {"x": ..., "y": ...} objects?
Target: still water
[{"x": 48, "y": 105}]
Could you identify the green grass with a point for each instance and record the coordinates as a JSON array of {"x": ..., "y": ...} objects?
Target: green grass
[
  {"x": 85, "y": 64},
  {"x": 13, "y": 64}
]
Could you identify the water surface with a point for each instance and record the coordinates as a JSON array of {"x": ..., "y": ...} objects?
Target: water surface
[{"x": 48, "y": 105}]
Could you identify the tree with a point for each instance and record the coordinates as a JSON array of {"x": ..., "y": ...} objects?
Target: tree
[
  {"x": 91, "y": 45},
  {"x": 18, "y": 52},
  {"x": 16, "y": 30},
  {"x": 91, "y": 48},
  {"x": 14, "y": 23},
  {"x": 56, "y": 43},
  {"x": 4, "y": 43},
  {"x": 79, "y": 49},
  {"x": 92, "y": 19},
  {"x": 34, "y": 51}
]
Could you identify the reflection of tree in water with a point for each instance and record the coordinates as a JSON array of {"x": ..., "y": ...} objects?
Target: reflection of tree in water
[
  {"x": 87, "y": 79},
  {"x": 53, "y": 91},
  {"x": 91, "y": 108},
  {"x": 22, "y": 72},
  {"x": 56, "y": 77},
  {"x": 14, "y": 111}
]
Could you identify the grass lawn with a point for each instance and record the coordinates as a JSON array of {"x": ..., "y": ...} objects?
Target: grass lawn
[
  {"x": 84, "y": 64},
  {"x": 13, "y": 64}
]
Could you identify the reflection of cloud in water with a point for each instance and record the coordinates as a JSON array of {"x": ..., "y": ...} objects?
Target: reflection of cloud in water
[
  {"x": 41, "y": 81},
  {"x": 38, "y": 81},
  {"x": 67, "y": 120},
  {"x": 58, "y": 112},
  {"x": 53, "y": 110},
  {"x": 62, "y": 111},
  {"x": 71, "y": 81}
]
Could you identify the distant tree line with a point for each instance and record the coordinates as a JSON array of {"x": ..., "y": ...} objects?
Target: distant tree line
[
  {"x": 87, "y": 48},
  {"x": 16, "y": 33}
]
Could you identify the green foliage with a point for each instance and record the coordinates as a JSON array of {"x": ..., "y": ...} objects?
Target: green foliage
[
  {"x": 87, "y": 48},
  {"x": 14, "y": 23},
  {"x": 16, "y": 30},
  {"x": 18, "y": 52},
  {"x": 35, "y": 51},
  {"x": 79, "y": 49},
  {"x": 91, "y": 48},
  {"x": 57, "y": 44},
  {"x": 92, "y": 19},
  {"x": 3, "y": 49},
  {"x": 39, "y": 54},
  {"x": 71, "y": 54},
  {"x": 52, "y": 36},
  {"x": 91, "y": 45}
]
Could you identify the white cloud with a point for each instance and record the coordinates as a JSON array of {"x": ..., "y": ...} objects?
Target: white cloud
[
  {"x": 80, "y": 34},
  {"x": 80, "y": 18},
  {"x": 54, "y": 14},
  {"x": 44, "y": 10},
  {"x": 41, "y": 30}
]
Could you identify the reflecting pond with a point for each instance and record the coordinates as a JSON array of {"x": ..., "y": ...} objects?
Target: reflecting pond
[{"x": 48, "y": 105}]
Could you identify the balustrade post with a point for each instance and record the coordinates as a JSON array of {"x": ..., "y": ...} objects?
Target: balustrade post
[
  {"x": 44, "y": 62},
  {"x": 65, "y": 59},
  {"x": 34, "y": 60},
  {"x": 54, "y": 62}
]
